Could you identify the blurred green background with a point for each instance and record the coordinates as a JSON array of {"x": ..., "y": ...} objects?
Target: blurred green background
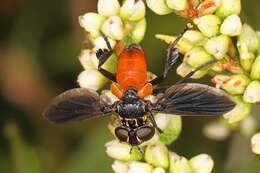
[{"x": 39, "y": 44}]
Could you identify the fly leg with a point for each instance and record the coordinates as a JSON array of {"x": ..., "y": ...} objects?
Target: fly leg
[
  {"x": 102, "y": 56},
  {"x": 194, "y": 71},
  {"x": 171, "y": 58},
  {"x": 150, "y": 116}
]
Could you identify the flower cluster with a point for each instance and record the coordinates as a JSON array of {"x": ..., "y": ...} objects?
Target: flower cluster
[
  {"x": 237, "y": 71},
  {"x": 121, "y": 24},
  {"x": 221, "y": 35}
]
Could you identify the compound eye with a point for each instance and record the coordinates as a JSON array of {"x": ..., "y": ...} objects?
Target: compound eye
[
  {"x": 145, "y": 133},
  {"x": 122, "y": 134}
]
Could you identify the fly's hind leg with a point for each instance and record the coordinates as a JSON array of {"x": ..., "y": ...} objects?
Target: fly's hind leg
[{"x": 102, "y": 56}]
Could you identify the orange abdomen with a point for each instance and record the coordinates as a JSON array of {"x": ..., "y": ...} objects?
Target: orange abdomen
[{"x": 131, "y": 69}]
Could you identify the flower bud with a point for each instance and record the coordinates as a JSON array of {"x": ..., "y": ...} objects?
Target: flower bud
[
  {"x": 170, "y": 125},
  {"x": 91, "y": 78},
  {"x": 157, "y": 155},
  {"x": 217, "y": 46},
  {"x": 255, "y": 143},
  {"x": 208, "y": 7},
  {"x": 154, "y": 140},
  {"x": 136, "y": 167},
  {"x": 246, "y": 57},
  {"x": 248, "y": 126},
  {"x": 227, "y": 64},
  {"x": 86, "y": 57},
  {"x": 235, "y": 84},
  {"x": 121, "y": 151},
  {"x": 100, "y": 43},
  {"x": 231, "y": 26},
  {"x": 119, "y": 167},
  {"x": 113, "y": 28},
  {"x": 184, "y": 69},
  {"x": 249, "y": 37},
  {"x": 158, "y": 6},
  {"x": 241, "y": 110},
  {"x": 252, "y": 93},
  {"x": 216, "y": 131},
  {"x": 183, "y": 45},
  {"x": 255, "y": 71},
  {"x": 92, "y": 23},
  {"x": 108, "y": 7},
  {"x": 197, "y": 57},
  {"x": 158, "y": 170},
  {"x": 178, "y": 5},
  {"x": 179, "y": 164},
  {"x": 202, "y": 163},
  {"x": 138, "y": 31},
  {"x": 208, "y": 25},
  {"x": 228, "y": 7},
  {"x": 193, "y": 36},
  {"x": 132, "y": 10}
]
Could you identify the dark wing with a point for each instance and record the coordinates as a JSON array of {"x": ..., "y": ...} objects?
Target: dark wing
[
  {"x": 77, "y": 104},
  {"x": 193, "y": 99}
]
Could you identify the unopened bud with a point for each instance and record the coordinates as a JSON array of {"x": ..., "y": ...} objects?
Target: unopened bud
[
  {"x": 241, "y": 110},
  {"x": 113, "y": 28},
  {"x": 235, "y": 84},
  {"x": 92, "y": 23},
  {"x": 159, "y": 6},
  {"x": 170, "y": 125},
  {"x": 202, "y": 163},
  {"x": 216, "y": 131},
  {"x": 197, "y": 57},
  {"x": 248, "y": 126},
  {"x": 178, "y": 5},
  {"x": 231, "y": 26},
  {"x": 136, "y": 167},
  {"x": 193, "y": 36},
  {"x": 217, "y": 46},
  {"x": 255, "y": 143},
  {"x": 255, "y": 71},
  {"x": 91, "y": 78},
  {"x": 157, "y": 155},
  {"x": 100, "y": 43},
  {"x": 121, "y": 151},
  {"x": 138, "y": 31},
  {"x": 154, "y": 140},
  {"x": 208, "y": 25},
  {"x": 86, "y": 57},
  {"x": 132, "y": 10},
  {"x": 228, "y": 7},
  {"x": 247, "y": 62},
  {"x": 159, "y": 170},
  {"x": 179, "y": 164},
  {"x": 208, "y": 7},
  {"x": 119, "y": 167},
  {"x": 252, "y": 93},
  {"x": 184, "y": 45},
  {"x": 249, "y": 37},
  {"x": 108, "y": 7}
]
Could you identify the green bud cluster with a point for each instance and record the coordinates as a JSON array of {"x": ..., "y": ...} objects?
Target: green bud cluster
[
  {"x": 156, "y": 158},
  {"x": 121, "y": 24},
  {"x": 237, "y": 70}
]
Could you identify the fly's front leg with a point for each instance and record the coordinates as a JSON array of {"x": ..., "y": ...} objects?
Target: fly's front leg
[
  {"x": 172, "y": 56},
  {"x": 150, "y": 116},
  {"x": 102, "y": 56}
]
